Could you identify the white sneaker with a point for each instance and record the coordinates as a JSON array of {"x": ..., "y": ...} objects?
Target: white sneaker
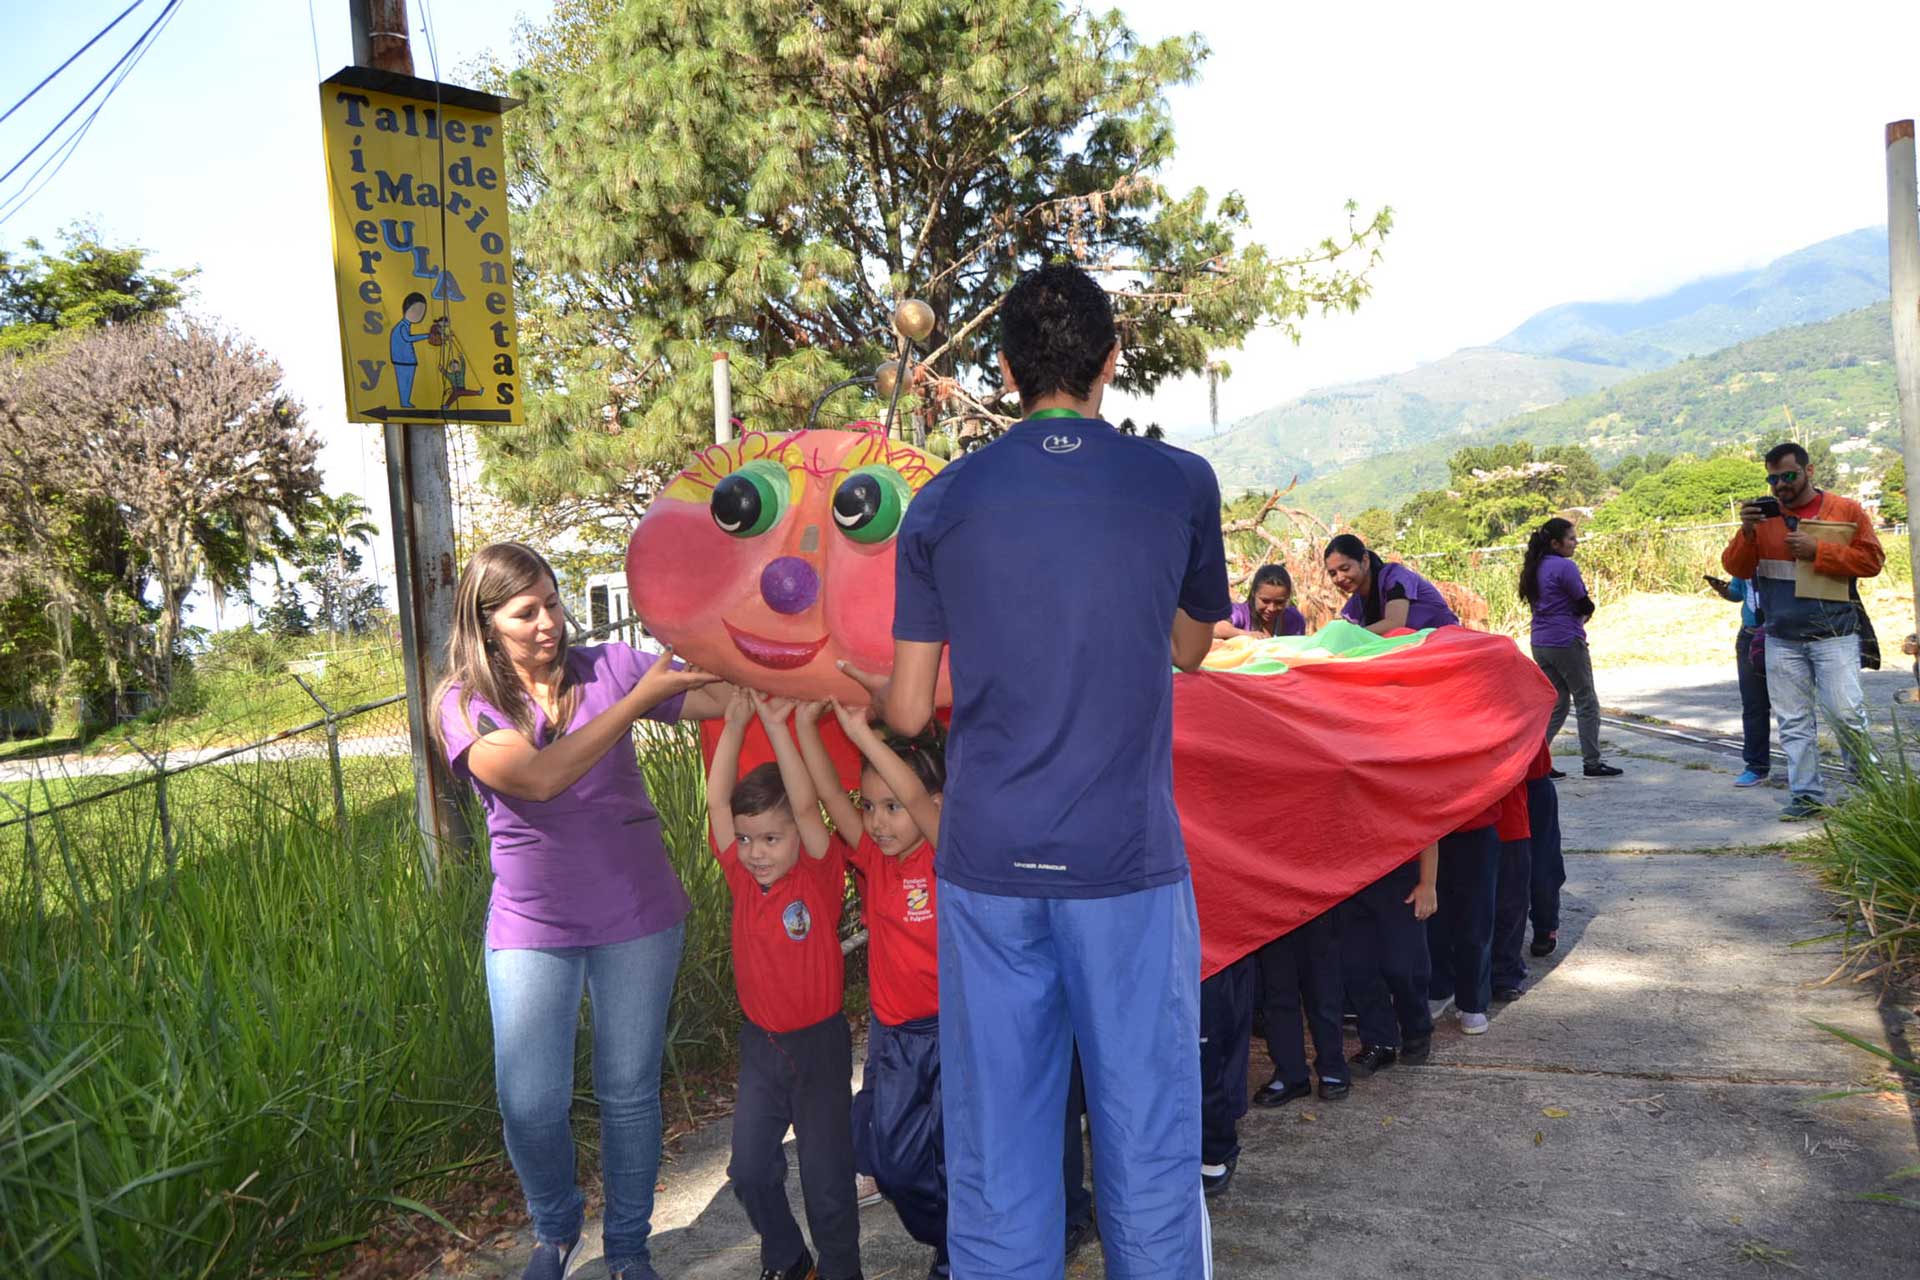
[
  {"x": 1437, "y": 1007},
  {"x": 1473, "y": 1024},
  {"x": 865, "y": 1190}
]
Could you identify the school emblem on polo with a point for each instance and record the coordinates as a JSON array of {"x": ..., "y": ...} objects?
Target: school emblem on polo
[
  {"x": 1060, "y": 444},
  {"x": 797, "y": 920}
]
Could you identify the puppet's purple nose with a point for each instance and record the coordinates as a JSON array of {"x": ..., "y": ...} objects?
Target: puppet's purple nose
[{"x": 789, "y": 585}]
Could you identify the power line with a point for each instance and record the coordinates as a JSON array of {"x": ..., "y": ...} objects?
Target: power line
[
  {"x": 61, "y": 154},
  {"x": 86, "y": 97},
  {"x": 69, "y": 62}
]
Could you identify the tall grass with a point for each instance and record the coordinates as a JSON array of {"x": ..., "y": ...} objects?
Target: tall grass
[
  {"x": 1870, "y": 860},
  {"x": 232, "y": 1061}
]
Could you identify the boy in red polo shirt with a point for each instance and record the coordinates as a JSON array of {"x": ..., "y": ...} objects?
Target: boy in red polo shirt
[{"x": 796, "y": 1052}]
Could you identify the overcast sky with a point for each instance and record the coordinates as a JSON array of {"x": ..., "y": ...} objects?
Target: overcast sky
[{"x": 1533, "y": 154}]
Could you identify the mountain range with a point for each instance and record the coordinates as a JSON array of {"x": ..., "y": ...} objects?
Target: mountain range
[
  {"x": 1563, "y": 353},
  {"x": 1830, "y": 380}
]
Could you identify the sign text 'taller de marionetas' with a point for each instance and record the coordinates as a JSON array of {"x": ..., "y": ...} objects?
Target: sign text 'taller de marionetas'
[{"x": 421, "y": 263}]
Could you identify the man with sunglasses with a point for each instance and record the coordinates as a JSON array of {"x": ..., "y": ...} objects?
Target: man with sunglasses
[{"x": 1813, "y": 646}]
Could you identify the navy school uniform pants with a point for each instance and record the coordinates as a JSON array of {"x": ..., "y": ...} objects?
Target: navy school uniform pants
[
  {"x": 798, "y": 1078},
  {"x": 1021, "y": 981},
  {"x": 1460, "y": 934},
  {"x": 1226, "y": 1033},
  {"x": 1300, "y": 974},
  {"x": 1384, "y": 959},
  {"x": 1549, "y": 867},
  {"x": 1073, "y": 1163},
  {"x": 1512, "y": 898},
  {"x": 1531, "y": 873},
  {"x": 896, "y": 1126}
]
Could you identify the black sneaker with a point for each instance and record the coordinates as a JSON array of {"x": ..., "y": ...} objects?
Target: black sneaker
[
  {"x": 1416, "y": 1052},
  {"x": 801, "y": 1270},
  {"x": 1544, "y": 943},
  {"x": 1602, "y": 771},
  {"x": 1507, "y": 995},
  {"x": 1555, "y": 774},
  {"x": 1278, "y": 1093},
  {"x": 1211, "y": 1183},
  {"x": 1078, "y": 1233},
  {"x": 550, "y": 1261},
  {"x": 1334, "y": 1090},
  {"x": 1372, "y": 1058}
]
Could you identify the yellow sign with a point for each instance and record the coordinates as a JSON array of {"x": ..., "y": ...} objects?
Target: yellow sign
[{"x": 421, "y": 263}]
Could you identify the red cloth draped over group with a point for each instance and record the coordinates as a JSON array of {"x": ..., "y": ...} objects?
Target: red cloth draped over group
[{"x": 1299, "y": 788}]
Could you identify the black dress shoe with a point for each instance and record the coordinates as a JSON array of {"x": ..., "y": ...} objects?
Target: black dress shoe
[
  {"x": 1416, "y": 1052},
  {"x": 1212, "y": 1184},
  {"x": 1279, "y": 1094},
  {"x": 1507, "y": 995},
  {"x": 1601, "y": 771},
  {"x": 1555, "y": 774},
  {"x": 1372, "y": 1058},
  {"x": 1334, "y": 1090},
  {"x": 1544, "y": 943}
]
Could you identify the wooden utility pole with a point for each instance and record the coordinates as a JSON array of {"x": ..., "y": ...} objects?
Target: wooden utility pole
[
  {"x": 1903, "y": 247},
  {"x": 420, "y": 494}
]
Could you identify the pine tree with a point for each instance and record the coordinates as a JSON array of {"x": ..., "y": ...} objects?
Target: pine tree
[{"x": 768, "y": 177}]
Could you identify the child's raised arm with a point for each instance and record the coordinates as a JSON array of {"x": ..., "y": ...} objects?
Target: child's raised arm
[
  {"x": 906, "y": 784},
  {"x": 826, "y": 779},
  {"x": 725, "y": 770},
  {"x": 801, "y": 796}
]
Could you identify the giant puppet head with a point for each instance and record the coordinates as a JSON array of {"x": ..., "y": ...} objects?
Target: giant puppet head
[{"x": 770, "y": 558}]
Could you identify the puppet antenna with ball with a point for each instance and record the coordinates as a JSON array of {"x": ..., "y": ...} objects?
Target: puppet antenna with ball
[{"x": 913, "y": 320}]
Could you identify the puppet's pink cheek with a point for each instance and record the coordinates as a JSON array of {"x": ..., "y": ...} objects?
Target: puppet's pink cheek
[
  {"x": 859, "y": 599},
  {"x": 683, "y": 573}
]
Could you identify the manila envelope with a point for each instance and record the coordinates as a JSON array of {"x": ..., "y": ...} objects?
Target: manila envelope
[{"x": 1809, "y": 583}]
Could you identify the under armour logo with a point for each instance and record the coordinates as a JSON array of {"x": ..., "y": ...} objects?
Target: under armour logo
[{"x": 1060, "y": 444}]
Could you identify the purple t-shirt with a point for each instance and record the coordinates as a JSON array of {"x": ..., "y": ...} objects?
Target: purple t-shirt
[
  {"x": 1426, "y": 607},
  {"x": 588, "y": 867},
  {"x": 1561, "y": 588},
  {"x": 1292, "y": 621}
]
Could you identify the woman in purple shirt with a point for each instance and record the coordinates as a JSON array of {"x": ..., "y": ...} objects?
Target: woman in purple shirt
[
  {"x": 1268, "y": 609},
  {"x": 1551, "y": 584},
  {"x": 583, "y": 893},
  {"x": 1384, "y": 597}
]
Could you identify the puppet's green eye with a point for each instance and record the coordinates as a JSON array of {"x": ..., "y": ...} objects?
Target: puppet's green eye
[
  {"x": 869, "y": 503},
  {"x": 750, "y": 501}
]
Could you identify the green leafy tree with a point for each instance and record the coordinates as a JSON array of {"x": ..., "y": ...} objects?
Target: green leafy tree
[
  {"x": 768, "y": 177},
  {"x": 1689, "y": 489},
  {"x": 1893, "y": 491},
  {"x": 85, "y": 285}
]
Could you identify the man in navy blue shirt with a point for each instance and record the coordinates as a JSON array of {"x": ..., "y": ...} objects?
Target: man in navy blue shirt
[{"x": 1067, "y": 568}]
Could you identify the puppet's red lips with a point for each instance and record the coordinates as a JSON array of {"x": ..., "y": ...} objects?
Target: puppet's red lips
[{"x": 780, "y": 655}]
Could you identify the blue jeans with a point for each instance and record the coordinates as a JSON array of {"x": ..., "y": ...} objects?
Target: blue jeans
[
  {"x": 1798, "y": 673},
  {"x": 535, "y": 995},
  {"x": 1756, "y": 713},
  {"x": 1023, "y": 979}
]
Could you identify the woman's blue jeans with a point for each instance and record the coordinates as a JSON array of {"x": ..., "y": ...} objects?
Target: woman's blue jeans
[{"x": 535, "y": 996}]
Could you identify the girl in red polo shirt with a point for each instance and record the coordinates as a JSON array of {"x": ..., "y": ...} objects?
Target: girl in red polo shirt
[{"x": 896, "y": 1117}]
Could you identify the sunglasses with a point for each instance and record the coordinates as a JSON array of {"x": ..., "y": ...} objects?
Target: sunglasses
[{"x": 1779, "y": 478}]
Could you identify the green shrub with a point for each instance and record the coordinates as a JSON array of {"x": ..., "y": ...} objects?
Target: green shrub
[{"x": 1870, "y": 860}]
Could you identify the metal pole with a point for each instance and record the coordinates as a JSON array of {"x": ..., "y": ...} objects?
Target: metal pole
[
  {"x": 722, "y": 398},
  {"x": 420, "y": 495},
  {"x": 1903, "y": 247}
]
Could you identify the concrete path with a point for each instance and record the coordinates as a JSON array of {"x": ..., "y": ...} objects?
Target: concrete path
[
  {"x": 1651, "y": 1106},
  {"x": 1707, "y": 695}
]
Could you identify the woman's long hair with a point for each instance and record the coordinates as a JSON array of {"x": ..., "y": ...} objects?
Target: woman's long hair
[
  {"x": 1350, "y": 546},
  {"x": 1269, "y": 575},
  {"x": 1539, "y": 547},
  {"x": 476, "y": 662}
]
